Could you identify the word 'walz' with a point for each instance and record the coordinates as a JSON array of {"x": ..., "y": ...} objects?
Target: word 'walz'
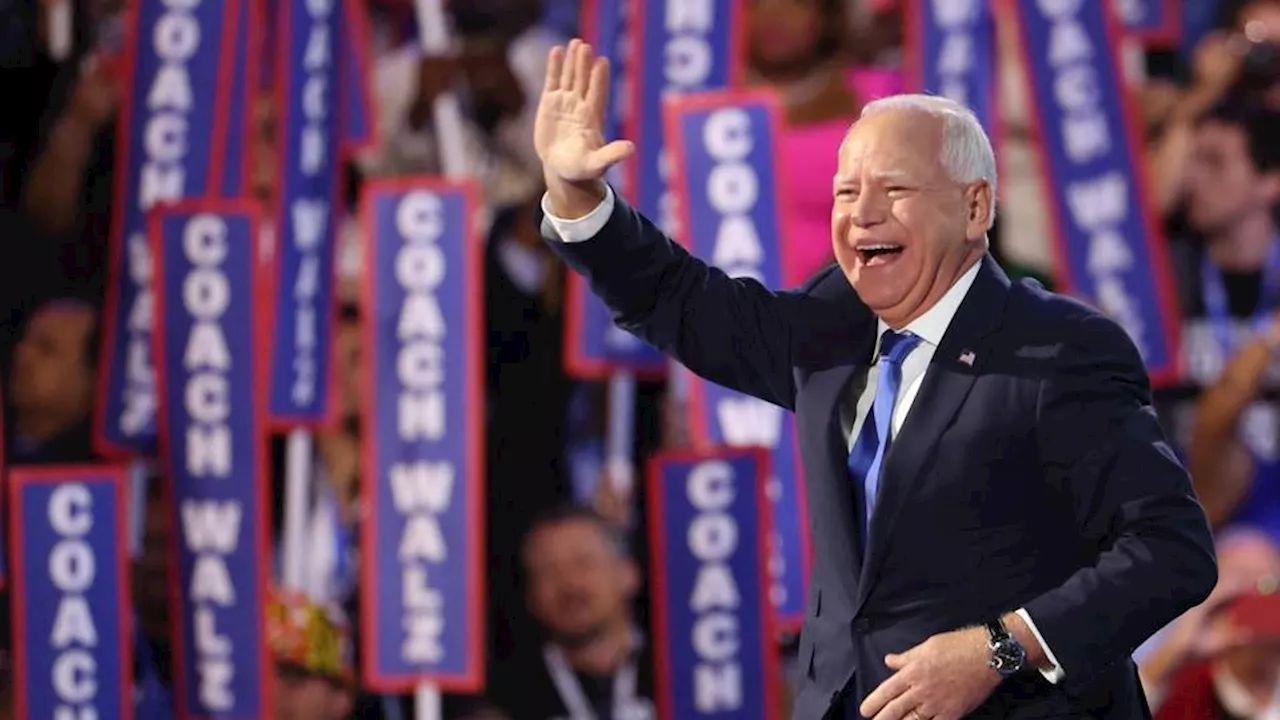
[
  {"x": 213, "y": 433},
  {"x": 423, "y": 405}
]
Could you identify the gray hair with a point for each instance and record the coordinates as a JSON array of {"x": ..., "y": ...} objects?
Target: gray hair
[{"x": 967, "y": 155}]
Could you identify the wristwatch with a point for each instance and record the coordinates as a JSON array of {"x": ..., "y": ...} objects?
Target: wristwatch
[{"x": 1008, "y": 657}]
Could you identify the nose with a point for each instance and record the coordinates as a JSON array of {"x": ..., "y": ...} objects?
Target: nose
[{"x": 868, "y": 210}]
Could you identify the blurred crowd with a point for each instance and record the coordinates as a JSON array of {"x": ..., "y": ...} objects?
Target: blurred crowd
[{"x": 568, "y": 623}]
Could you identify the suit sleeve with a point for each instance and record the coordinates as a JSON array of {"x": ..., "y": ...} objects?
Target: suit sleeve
[
  {"x": 731, "y": 331},
  {"x": 1132, "y": 500}
]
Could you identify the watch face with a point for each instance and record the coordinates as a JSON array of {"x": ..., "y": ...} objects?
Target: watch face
[{"x": 1007, "y": 657}]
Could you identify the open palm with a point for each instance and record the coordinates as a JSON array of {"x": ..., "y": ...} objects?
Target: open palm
[{"x": 568, "y": 133}]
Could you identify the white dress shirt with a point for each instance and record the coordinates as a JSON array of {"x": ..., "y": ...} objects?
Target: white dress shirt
[{"x": 930, "y": 327}]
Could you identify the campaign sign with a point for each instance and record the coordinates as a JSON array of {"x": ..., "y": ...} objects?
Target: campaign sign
[
  {"x": 71, "y": 607},
  {"x": 1109, "y": 247},
  {"x": 308, "y": 98},
  {"x": 727, "y": 180},
  {"x": 423, "y": 413},
  {"x": 213, "y": 439},
  {"x": 245, "y": 36},
  {"x": 1155, "y": 22},
  {"x": 168, "y": 146},
  {"x": 593, "y": 345},
  {"x": 951, "y": 50},
  {"x": 715, "y": 651},
  {"x": 359, "y": 124},
  {"x": 683, "y": 46}
]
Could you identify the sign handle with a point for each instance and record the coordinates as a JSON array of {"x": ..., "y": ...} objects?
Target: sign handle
[{"x": 298, "y": 460}]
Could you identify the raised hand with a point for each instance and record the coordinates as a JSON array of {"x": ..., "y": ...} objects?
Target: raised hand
[{"x": 569, "y": 129}]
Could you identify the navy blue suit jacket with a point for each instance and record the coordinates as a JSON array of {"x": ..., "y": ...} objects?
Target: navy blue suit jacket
[{"x": 1034, "y": 476}]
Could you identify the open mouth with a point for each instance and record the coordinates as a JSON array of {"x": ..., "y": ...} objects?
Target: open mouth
[{"x": 872, "y": 255}]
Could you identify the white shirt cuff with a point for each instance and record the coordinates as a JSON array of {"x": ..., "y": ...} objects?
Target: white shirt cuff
[
  {"x": 1055, "y": 673},
  {"x": 585, "y": 227}
]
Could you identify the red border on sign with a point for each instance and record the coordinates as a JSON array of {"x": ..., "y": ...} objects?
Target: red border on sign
[
  {"x": 1157, "y": 248},
  {"x": 261, "y": 519},
  {"x": 660, "y": 574},
  {"x": 53, "y": 474},
  {"x": 1168, "y": 35},
  {"x": 472, "y": 680},
  {"x": 359, "y": 52},
  {"x": 222, "y": 93}
]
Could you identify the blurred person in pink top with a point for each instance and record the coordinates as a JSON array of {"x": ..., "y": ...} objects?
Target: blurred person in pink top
[{"x": 798, "y": 47}]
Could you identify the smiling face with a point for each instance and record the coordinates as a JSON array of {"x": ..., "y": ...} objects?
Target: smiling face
[{"x": 903, "y": 231}]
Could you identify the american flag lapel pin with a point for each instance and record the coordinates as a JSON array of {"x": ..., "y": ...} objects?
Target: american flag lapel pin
[{"x": 967, "y": 357}]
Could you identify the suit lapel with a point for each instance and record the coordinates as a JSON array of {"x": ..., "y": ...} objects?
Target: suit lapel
[
  {"x": 955, "y": 366},
  {"x": 835, "y": 502}
]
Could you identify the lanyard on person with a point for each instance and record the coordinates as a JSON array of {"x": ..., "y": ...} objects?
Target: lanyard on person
[
  {"x": 575, "y": 700},
  {"x": 1216, "y": 307}
]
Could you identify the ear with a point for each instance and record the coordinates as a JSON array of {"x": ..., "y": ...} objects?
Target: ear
[
  {"x": 1270, "y": 187},
  {"x": 980, "y": 207},
  {"x": 630, "y": 578}
]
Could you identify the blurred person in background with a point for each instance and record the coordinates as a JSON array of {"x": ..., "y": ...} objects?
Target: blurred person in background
[
  {"x": 496, "y": 68},
  {"x": 1227, "y": 271},
  {"x": 798, "y": 47},
  {"x": 51, "y": 385},
  {"x": 1241, "y": 61},
  {"x": 580, "y": 582},
  {"x": 1211, "y": 663}
]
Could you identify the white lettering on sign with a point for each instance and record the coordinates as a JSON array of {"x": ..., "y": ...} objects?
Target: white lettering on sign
[
  {"x": 687, "y": 64},
  {"x": 956, "y": 19},
  {"x": 421, "y": 490},
  {"x": 733, "y": 192},
  {"x": 211, "y": 529},
  {"x": 1096, "y": 204},
  {"x": 72, "y": 569},
  {"x": 310, "y": 216},
  {"x": 712, "y": 539},
  {"x": 175, "y": 38}
]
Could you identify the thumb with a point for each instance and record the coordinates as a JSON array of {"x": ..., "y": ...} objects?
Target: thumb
[
  {"x": 895, "y": 662},
  {"x": 610, "y": 155}
]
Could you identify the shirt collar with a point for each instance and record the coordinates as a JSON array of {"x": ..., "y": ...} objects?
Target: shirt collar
[
  {"x": 1237, "y": 700},
  {"x": 932, "y": 325}
]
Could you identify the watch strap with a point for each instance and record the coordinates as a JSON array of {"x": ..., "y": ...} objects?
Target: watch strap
[{"x": 997, "y": 631}]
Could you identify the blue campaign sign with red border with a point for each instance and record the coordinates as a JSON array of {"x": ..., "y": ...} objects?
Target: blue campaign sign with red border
[
  {"x": 71, "y": 594},
  {"x": 749, "y": 127},
  {"x": 170, "y": 144},
  {"x": 309, "y": 143},
  {"x": 1109, "y": 246},
  {"x": 708, "y": 524},
  {"x": 423, "y": 412},
  {"x": 594, "y": 347},
  {"x": 210, "y": 350}
]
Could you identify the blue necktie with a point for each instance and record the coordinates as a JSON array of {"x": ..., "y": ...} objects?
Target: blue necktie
[{"x": 873, "y": 439}]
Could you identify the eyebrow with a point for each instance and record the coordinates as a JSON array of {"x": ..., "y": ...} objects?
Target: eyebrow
[{"x": 882, "y": 175}]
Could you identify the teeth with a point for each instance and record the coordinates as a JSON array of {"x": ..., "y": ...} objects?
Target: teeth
[{"x": 878, "y": 247}]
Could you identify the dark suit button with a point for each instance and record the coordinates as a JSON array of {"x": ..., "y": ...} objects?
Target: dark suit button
[{"x": 861, "y": 625}]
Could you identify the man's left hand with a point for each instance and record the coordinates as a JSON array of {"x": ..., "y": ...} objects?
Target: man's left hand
[{"x": 942, "y": 678}]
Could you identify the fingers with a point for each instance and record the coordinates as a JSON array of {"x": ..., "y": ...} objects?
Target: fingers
[
  {"x": 570, "y": 65},
  {"x": 900, "y": 709},
  {"x": 880, "y": 698},
  {"x": 582, "y": 72},
  {"x": 555, "y": 66},
  {"x": 895, "y": 662},
  {"x": 610, "y": 155},
  {"x": 598, "y": 91}
]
